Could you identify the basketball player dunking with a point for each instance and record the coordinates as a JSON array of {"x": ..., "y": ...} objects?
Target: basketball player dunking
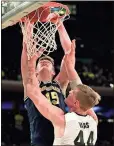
[
  {"x": 41, "y": 129},
  {"x": 74, "y": 128}
]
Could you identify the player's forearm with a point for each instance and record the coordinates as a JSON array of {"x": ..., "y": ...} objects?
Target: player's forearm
[
  {"x": 24, "y": 57},
  {"x": 64, "y": 38},
  {"x": 62, "y": 77},
  {"x": 24, "y": 64},
  {"x": 31, "y": 74},
  {"x": 75, "y": 80},
  {"x": 73, "y": 75}
]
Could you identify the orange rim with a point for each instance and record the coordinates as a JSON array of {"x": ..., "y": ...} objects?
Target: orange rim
[{"x": 33, "y": 16}]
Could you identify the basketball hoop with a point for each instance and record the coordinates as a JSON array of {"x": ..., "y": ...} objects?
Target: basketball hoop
[{"x": 39, "y": 27}]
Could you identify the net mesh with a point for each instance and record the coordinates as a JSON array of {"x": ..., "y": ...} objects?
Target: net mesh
[{"x": 41, "y": 34}]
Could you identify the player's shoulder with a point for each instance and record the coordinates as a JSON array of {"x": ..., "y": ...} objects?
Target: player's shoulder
[
  {"x": 91, "y": 120},
  {"x": 77, "y": 117},
  {"x": 70, "y": 116},
  {"x": 88, "y": 118}
]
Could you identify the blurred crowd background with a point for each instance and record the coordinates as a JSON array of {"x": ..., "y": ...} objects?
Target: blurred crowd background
[
  {"x": 91, "y": 24},
  {"x": 90, "y": 72}
]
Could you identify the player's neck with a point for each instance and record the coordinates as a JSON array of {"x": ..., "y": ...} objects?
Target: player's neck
[
  {"x": 45, "y": 76},
  {"x": 79, "y": 111}
]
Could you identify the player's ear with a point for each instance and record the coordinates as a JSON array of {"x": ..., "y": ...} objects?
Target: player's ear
[
  {"x": 77, "y": 104},
  {"x": 53, "y": 72}
]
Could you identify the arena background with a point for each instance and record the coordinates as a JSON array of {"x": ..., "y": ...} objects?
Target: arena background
[{"x": 92, "y": 25}]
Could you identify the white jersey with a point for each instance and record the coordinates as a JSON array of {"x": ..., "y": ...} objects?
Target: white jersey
[{"x": 79, "y": 131}]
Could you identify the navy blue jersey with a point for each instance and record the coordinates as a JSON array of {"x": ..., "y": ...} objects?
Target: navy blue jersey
[{"x": 41, "y": 129}]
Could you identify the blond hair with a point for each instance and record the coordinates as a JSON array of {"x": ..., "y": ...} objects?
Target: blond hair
[{"x": 87, "y": 97}]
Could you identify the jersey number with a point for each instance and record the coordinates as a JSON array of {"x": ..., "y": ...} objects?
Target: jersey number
[
  {"x": 52, "y": 97},
  {"x": 79, "y": 141}
]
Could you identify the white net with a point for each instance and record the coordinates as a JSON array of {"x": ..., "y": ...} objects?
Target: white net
[
  {"x": 39, "y": 34},
  {"x": 43, "y": 36}
]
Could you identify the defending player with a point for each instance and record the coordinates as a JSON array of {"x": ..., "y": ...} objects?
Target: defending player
[
  {"x": 74, "y": 128},
  {"x": 42, "y": 132},
  {"x": 73, "y": 75}
]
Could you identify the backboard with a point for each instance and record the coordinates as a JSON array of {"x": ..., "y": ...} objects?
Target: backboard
[{"x": 13, "y": 11}]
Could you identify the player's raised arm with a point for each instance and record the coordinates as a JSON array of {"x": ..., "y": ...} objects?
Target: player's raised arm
[
  {"x": 68, "y": 73},
  {"x": 24, "y": 57},
  {"x": 24, "y": 63},
  {"x": 62, "y": 77},
  {"x": 70, "y": 60},
  {"x": 24, "y": 67},
  {"x": 73, "y": 75},
  {"x": 64, "y": 38}
]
